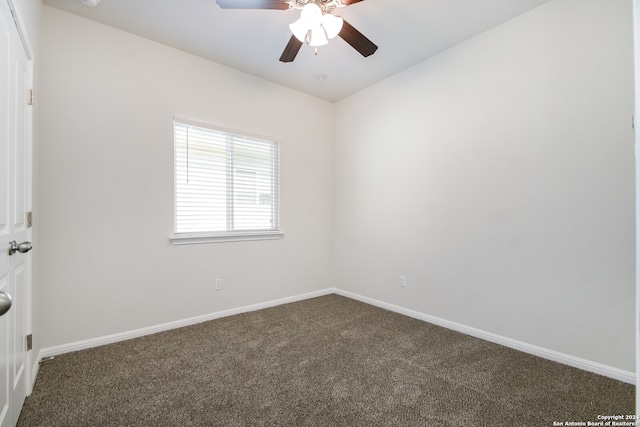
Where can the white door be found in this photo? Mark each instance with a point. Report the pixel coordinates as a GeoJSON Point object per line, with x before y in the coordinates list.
{"type": "Point", "coordinates": [15, 201]}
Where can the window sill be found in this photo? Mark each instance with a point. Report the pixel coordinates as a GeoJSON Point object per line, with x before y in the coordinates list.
{"type": "Point", "coordinates": [197, 239]}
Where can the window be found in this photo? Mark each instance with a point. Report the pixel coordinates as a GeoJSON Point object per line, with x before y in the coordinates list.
{"type": "Point", "coordinates": [226, 185]}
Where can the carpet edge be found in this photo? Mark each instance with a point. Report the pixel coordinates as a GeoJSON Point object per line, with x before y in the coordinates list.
{"type": "Point", "coordinates": [137, 333]}
{"type": "Point", "coordinates": [565, 359]}
{"type": "Point", "coordinates": [576, 362]}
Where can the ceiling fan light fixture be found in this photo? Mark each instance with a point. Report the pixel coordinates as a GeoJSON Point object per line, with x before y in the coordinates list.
{"type": "Point", "coordinates": [332, 25]}
{"type": "Point", "coordinates": [313, 27]}
{"type": "Point", "coordinates": [311, 15]}
{"type": "Point", "coordinates": [318, 37]}
{"type": "Point", "coordinates": [299, 29]}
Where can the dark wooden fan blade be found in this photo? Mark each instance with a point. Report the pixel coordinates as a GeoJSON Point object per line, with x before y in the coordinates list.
{"type": "Point", "coordinates": [357, 40]}
{"type": "Point", "coordinates": [291, 50]}
{"type": "Point", "coordinates": [348, 2]}
{"type": "Point", "coordinates": [253, 4]}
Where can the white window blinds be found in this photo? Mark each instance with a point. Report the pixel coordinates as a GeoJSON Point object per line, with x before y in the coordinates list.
{"type": "Point", "coordinates": [225, 184]}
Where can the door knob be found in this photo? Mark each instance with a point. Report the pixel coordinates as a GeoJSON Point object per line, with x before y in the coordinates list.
{"type": "Point", "coordinates": [23, 247]}
{"type": "Point", "coordinates": [5, 302]}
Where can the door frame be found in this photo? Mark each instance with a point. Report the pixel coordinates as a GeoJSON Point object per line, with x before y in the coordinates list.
{"type": "Point", "coordinates": [636, 56]}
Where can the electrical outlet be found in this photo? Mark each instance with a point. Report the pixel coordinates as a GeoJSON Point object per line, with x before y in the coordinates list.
{"type": "Point", "coordinates": [403, 282]}
{"type": "Point", "coordinates": [218, 284]}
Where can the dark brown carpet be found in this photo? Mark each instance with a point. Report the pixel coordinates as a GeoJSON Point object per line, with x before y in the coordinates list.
{"type": "Point", "coordinates": [328, 361]}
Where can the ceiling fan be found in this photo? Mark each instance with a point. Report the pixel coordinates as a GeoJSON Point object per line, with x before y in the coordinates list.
{"type": "Point", "coordinates": [317, 23]}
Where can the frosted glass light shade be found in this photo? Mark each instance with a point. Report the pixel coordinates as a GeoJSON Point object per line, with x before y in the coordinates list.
{"type": "Point", "coordinates": [332, 25]}
{"type": "Point", "coordinates": [318, 37]}
{"type": "Point", "coordinates": [299, 29]}
{"type": "Point", "coordinates": [311, 14]}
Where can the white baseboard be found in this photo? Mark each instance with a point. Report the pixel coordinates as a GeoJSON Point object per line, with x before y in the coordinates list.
{"type": "Point", "coordinates": [586, 365]}
{"type": "Point", "coordinates": [576, 362]}
{"type": "Point", "coordinates": [123, 336]}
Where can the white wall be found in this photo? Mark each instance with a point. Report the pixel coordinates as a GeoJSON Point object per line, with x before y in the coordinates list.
{"type": "Point", "coordinates": [106, 176]}
{"type": "Point", "coordinates": [498, 177]}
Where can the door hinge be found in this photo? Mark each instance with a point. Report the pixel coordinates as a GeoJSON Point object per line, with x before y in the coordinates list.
{"type": "Point", "coordinates": [29, 219]}
{"type": "Point", "coordinates": [31, 97]}
{"type": "Point", "coordinates": [29, 342]}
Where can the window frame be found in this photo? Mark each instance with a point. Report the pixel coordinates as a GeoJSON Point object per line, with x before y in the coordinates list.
{"type": "Point", "coordinates": [187, 238]}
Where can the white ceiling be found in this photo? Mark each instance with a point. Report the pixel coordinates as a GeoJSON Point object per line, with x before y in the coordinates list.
{"type": "Point", "coordinates": [406, 32]}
